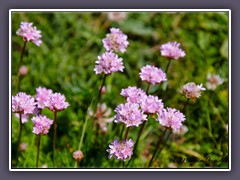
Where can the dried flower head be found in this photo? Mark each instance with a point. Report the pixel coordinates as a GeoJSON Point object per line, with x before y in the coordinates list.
{"type": "Point", "coordinates": [172, 118]}
{"type": "Point", "coordinates": [108, 63]}
{"type": "Point", "coordinates": [152, 74]}
{"type": "Point", "coordinates": [130, 114]}
{"type": "Point", "coordinates": [23, 103]}
{"type": "Point", "coordinates": [121, 150]}
{"type": "Point", "coordinates": [41, 124]}
{"type": "Point", "coordinates": [172, 50]}
{"type": "Point", "coordinates": [133, 94]}
{"type": "Point", "coordinates": [117, 16]}
{"type": "Point", "coordinates": [151, 104]}
{"type": "Point", "coordinates": [23, 70]}
{"type": "Point", "coordinates": [29, 33]}
{"type": "Point", "coordinates": [78, 155]}
{"type": "Point", "coordinates": [43, 97]}
{"type": "Point", "coordinates": [115, 41]}
{"type": "Point", "coordinates": [213, 81]}
{"type": "Point", "coordinates": [57, 102]}
{"type": "Point", "coordinates": [192, 91]}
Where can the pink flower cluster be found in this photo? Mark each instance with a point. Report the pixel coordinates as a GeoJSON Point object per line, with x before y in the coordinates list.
{"type": "Point", "coordinates": [152, 74]}
{"type": "Point", "coordinates": [213, 81]}
{"type": "Point", "coordinates": [78, 155]}
{"type": "Point", "coordinates": [121, 150]}
{"type": "Point", "coordinates": [108, 63]}
{"type": "Point", "coordinates": [115, 41]}
{"type": "Point", "coordinates": [130, 114]}
{"type": "Point", "coordinates": [192, 91]}
{"type": "Point", "coordinates": [172, 50]}
{"type": "Point", "coordinates": [23, 103]}
{"type": "Point", "coordinates": [151, 104]}
{"type": "Point", "coordinates": [43, 97]}
{"type": "Point", "coordinates": [41, 124]}
{"type": "Point", "coordinates": [29, 33]}
{"type": "Point", "coordinates": [172, 118]}
{"type": "Point", "coordinates": [133, 94]}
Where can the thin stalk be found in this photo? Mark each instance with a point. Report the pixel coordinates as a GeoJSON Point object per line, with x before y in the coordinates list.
{"type": "Point", "coordinates": [38, 148]}
{"type": "Point", "coordinates": [100, 90]}
{"type": "Point", "coordinates": [54, 136]}
{"type": "Point", "coordinates": [160, 140]}
{"type": "Point", "coordinates": [169, 62]}
{"type": "Point", "coordinates": [147, 88]}
{"type": "Point", "coordinates": [126, 134]}
{"type": "Point", "coordinates": [185, 105]}
{"type": "Point", "coordinates": [19, 136]}
{"type": "Point", "coordinates": [122, 131]}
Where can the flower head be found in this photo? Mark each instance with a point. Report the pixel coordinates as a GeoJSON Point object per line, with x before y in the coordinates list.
{"type": "Point", "coordinates": [191, 90]}
{"type": "Point", "coordinates": [213, 81]}
{"type": "Point", "coordinates": [115, 41]}
{"type": "Point", "coordinates": [151, 104]}
{"type": "Point", "coordinates": [41, 124]}
{"type": "Point", "coordinates": [29, 33]}
{"type": "Point", "coordinates": [152, 74]}
{"type": "Point", "coordinates": [23, 103]}
{"type": "Point", "coordinates": [108, 63]}
{"type": "Point", "coordinates": [23, 70]}
{"type": "Point", "coordinates": [133, 94]}
{"type": "Point", "coordinates": [130, 114]}
{"type": "Point", "coordinates": [172, 50]}
{"type": "Point", "coordinates": [121, 150]}
{"type": "Point", "coordinates": [57, 102]}
{"type": "Point", "coordinates": [78, 155]}
{"type": "Point", "coordinates": [171, 118]}
{"type": "Point", "coordinates": [43, 97]}
{"type": "Point", "coordinates": [117, 16]}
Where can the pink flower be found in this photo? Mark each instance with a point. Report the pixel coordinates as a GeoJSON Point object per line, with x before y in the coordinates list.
{"type": "Point", "coordinates": [151, 104]}
{"type": "Point", "coordinates": [133, 94]}
{"type": "Point", "coordinates": [117, 16]}
{"type": "Point", "coordinates": [192, 91]}
{"type": "Point", "coordinates": [130, 114]}
{"type": "Point", "coordinates": [23, 70]}
{"type": "Point", "coordinates": [41, 124]}
{"type": "Point", "coordinates": [43, 97]}
{"type": "Point", "coordinates": [108, 63]}
{"type": "Point", "coordinates": [29, 33]}
{"type": "Point", "coordinates": [115, 41]}
{"type": "Point", "coordinates": [152, 74]}
{"type": "Point", "coordinates": [23, 103]}
{"type": "Point", "coordinates": [213, 81]}
{"type": "Point", "coordinates": [78, 155]}
{"type": "Point", "coordinates": [171, 118]}
{"type": "Point", "coordinates": [121, 150]}
{"type": "Point", "coordinates": [57, 102]}
{"type": "Point", "coordinates": [24, 117]}
{"type": "Point", "coordinates": [172, 50]}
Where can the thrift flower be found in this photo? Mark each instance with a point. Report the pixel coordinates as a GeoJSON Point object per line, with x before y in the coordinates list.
{"type": "Point", "coordinates": [192, 91]}
{"type": "Point", "coordinates": [43, 97]}
{"type": "Point", "coordinates": [41, 124]}
{"type": "Point", "coordinates": [151, 104]}
{"type": "Point", "coordinates": [171, 118]}
{"type": "Point", "coordinates": [29, 33]}
{"type": "Point", "coordinates": [23, 103]}
{"type": "Point", "coordinates": [121, 150]}
{"type": "Point", "coordinates": [78, 155]}
{"type": "Point", "coordinates": [133, 94]}
{"type": "Point", "coordinates": [172, 50]}
{"type": "Point", "coordinates": [24, 117]}
{"type": "Point", "coordinates": [107, 63]}
{"type": "Point", "coordinates": [23, 147]}
{"type": "Point", "coordinates": [152, 74]}
{"type": "Point", "coordinates": [130, 114]}
{"type": "Point", "coordinates": [213, 81]}
{"type": "Point", "coordinates": [23, 70]}
{"type": "Point", "coordinates": [117, 16]}
{"type": "Point", "coordinates": [57, 102]}
{"type": "Point", "coordinates": [115, 41]}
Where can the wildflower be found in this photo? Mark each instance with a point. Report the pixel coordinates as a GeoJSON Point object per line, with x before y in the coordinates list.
{"type": "Point", "coordinates": [29, 33]}
{"type": "Point", "coordinates": [171, 118]}
{"type": "Point", "coordinates": [133, 94]}
{"type": "Point", "coordinates": [172, 50]}
{"type": "Point", "coordinates": [213, 81]}
{"type": "Point", "coordinates": [23, 103]}
{"type": "Point", "coordinates": [115, 41]}
{"type": "Point", "coordinates": [107, 63]}
{"type": "Point", "coordinates": [117, 16]}
{"type": "Point", "coordinates": [24, 117]}
{"type": "Point", "coordinates": [129, 114]}
{"type": "Point", "coordinates": [151, 104]}
{"type": "Point", "coordinates": [192, 91]}
{"type": "Point", "coordinates": [181, 131]}
{"type": "Point", "coordinates": [41, 124]}
{"type": "Point", "coordinates": [23, 70]}
{"type": "Point", "coordinates": [152, 74]}
{"type": "Point", "coordinates": [57, 102]}
{"type": "Point", "coordinates": [43, 97]}
{"type": "Point", "coordinates": [23, 147]}
{"type": "Point", "coordinates": [78, 155]}
{"type": "Point", "coordinates": [121, 150]}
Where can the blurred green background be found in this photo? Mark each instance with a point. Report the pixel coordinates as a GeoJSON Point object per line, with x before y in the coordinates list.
{"type": "Point", "coordinates": [65, 61]}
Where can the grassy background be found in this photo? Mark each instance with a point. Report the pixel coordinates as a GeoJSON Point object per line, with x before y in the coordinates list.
{"type": "Point", "coordinates": [65, 61]}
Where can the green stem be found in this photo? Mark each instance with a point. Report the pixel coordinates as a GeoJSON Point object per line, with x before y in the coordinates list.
{"type": "Point", "coordinates": [126, 134]}
{"type": "Point", "coordinates": [169, 61]}
{"type": "Point", "coordinates": [38, 147]}
{"type": "Point", "coordinates": [54, 136]}
{"type": "Point", "coordinates": [122, 131]}
{"type": "Point", "coordinates": [19, 136]}
{"type": "Point", "coordinates": [185, 105]}
{"type": "Point", "coordinates": [147, 88]}
{"type": "Point", "coordinates": [100, 90]}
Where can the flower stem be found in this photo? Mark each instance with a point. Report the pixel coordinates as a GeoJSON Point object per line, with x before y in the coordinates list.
{"type": "Point", "coordinates": [126, 134]}
{"type": "Point", "coordinates": [169, 61]}
{"type": "Point", "coordinates": [160, 140]}
{"type": "Point", "coordinates": [147, 88]}
{"type": "Point", "coordinates": [122, 131]}
{"type": "Point", "coordinates": [19, 136]}
{"type": "Point", "coordinates": [100, 90]}
{"type": "Point", "coordinates": [38, 147]}
{"type": "Point", "coordinates": [185, 105]}
{"type": "Point", "coordinates": [54, 136]}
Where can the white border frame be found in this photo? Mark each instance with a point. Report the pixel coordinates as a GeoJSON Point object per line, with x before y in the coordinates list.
{"type": "Point", "coordinates": [111, 10]}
